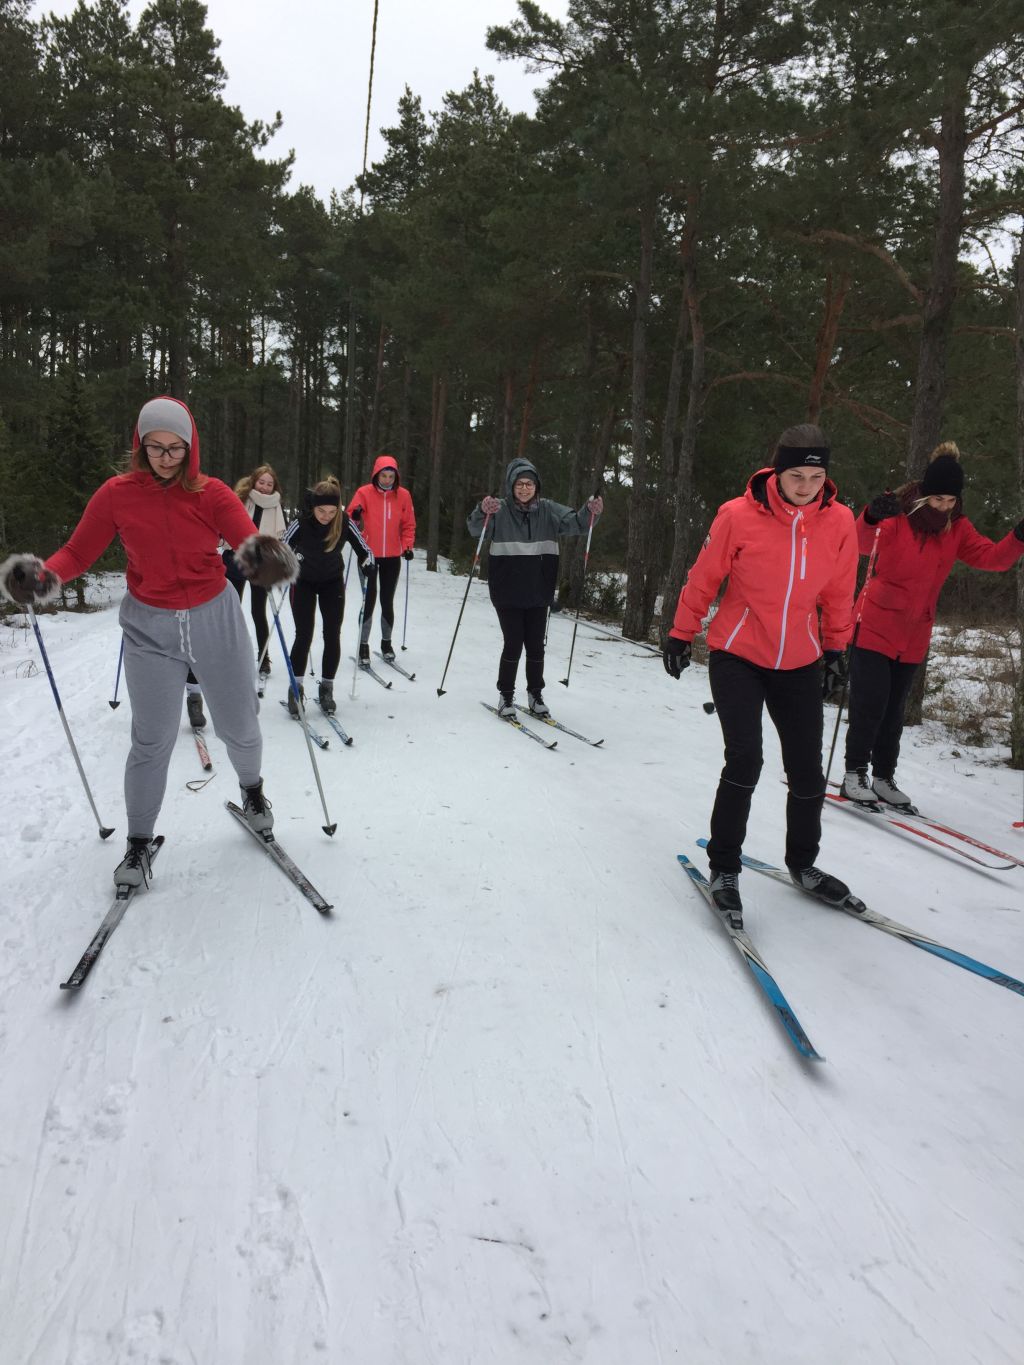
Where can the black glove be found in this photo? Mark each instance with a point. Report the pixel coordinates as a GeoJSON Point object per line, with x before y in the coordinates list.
{"type": "Point", "coordinates": [676, 656]}
{"type": "Point", "coordinates": [882, 507]}
{"type": "Point", "coordinates": [368, 565]}
{"type": "Point", "coordinates": [836, 674]}
{"type": "Point", "coordinates": [26, 580]}
{"type": "Point", "coordinates": [355, 512]}
{"type": "Point", "coordinates": [407, 554]}
{"type": "Point", "coordinates": [266, 561]}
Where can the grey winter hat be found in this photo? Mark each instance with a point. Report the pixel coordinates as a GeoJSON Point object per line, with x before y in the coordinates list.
{"type": "Point", "coordinates": [165, 414]}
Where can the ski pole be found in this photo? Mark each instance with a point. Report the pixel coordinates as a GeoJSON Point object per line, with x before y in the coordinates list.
{"type": "Point", "coordinates": [405, 618]}
{"type": "Point", "coordinates": [266, 643]}
{"type": "Point", "coordinates": [329, 828]}
{"type": "Point", "coordinates": [105, 830]}
{"type": "Point", "coordinates": [465, 595]}
{"type": "Point", "coordinates": [359, 633]}
{"type": "Point", "coordinates": [113, 703]}
{"type": "Point", "coordinates": [853, 641]}
{"type": "Point", "coordinates": [579, 604]}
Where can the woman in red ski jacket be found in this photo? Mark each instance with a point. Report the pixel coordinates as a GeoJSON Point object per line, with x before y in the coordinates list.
{"type": "Point", "coordinates": [917, 534]}
{"type": "Point", "coordinates": [788, 547]}
{"type": "Point", "coordinates": [388, 522]}
{"type": "Point", "coordinates": [178, 611]}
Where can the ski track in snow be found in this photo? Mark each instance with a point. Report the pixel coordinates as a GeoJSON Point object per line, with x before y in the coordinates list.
{"type": "Point", "coordinates": [517, 1099]}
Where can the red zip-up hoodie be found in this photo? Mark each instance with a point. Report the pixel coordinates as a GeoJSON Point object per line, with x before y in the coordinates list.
{"type": "Point", "coordinates": [783, 562]}
{"type": "Point", "coordinates": [388, 519]}
{"type": "Point", "coordinates": [170, 535]}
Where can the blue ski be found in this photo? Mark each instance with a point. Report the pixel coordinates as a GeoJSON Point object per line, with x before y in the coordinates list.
{"type": "Point", "coordinates": [902, 931]}
{"type": "Point", "coordinates": [755, 962]}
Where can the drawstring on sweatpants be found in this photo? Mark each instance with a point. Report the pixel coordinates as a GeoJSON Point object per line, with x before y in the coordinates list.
{"type": "Point", "coordinates": [185, 634]}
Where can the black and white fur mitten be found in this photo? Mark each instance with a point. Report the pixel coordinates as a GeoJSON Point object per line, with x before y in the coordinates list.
{"type": "Point", "coordinates": [267, 561]}
{"type": "Point", "coordinates": [25, 579]}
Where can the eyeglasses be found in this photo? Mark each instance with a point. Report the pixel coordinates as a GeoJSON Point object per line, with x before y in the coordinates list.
{"type": "Point", "coordinates": [157, 452]}
{"type": "Point", "coordinates": [525, 483]}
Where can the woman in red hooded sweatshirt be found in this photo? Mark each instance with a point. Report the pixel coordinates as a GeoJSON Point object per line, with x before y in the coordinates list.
{"type": "Point", "coordinates": [388, 523]}
{"type": "Point", "coordinates": [179, 610]}
{"type": "Point", "coordinates": [787, 547]}
{"type": "Point", "coordinates": [919, 531]}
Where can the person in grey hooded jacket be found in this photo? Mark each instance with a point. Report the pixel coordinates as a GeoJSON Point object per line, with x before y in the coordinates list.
{"type": "Point", "coordinates": [523, 531]}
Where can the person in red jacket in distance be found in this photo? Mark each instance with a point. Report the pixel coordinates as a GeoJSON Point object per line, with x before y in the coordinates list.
{"type": "Point", "coordinates": [920, 531]}
{"type": "Point", "coordinates": [788, 547]}
{"type": "Point", "coordinates": [178, 611]}
{"type": "Point", "coordinates": [384, 511]}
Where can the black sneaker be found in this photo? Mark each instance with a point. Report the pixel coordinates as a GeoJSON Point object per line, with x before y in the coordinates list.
{"type": "Point", "coordinates": [817, 883]}
{"type": "Point", "coordinates": [725, 892]}
{"type": "Point", "coordinates": [387, 651]}
{"type": "Point", "coordinates": [326, 696]}
{"type": "Point", "coordinates": [134, 869]}
{"type": "Point", "coordinates": [364, 652]}
{"type": "Point", "coordinates": [256, 809]}
{"type": "Point", "coordinates": [194, 707]}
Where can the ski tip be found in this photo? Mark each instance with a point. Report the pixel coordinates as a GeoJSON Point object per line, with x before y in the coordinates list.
{"type": "Point", "coordinates": [702, 843]}
{"type": "Point", "coordinates": [329, 829]}
{"type": "Point", "coordinates": [596, 744]}
{"type": "Point", "coordinates": [113, 706]}
{"type": "Point", "coordinates": [105, 833]}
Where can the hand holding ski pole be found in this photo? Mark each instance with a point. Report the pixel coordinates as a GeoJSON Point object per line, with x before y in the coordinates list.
{"type": "Point", "coordinates": [676, 656]}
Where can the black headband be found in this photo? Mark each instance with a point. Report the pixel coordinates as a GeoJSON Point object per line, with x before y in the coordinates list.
{"type": "Point", "coordinates": [792, 457]}
{"type": "Point", "coordinates": [325, 499]}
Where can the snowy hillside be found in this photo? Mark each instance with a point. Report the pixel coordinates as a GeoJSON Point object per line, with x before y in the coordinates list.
{"type": "Point", "coordinates": [518, 1099]}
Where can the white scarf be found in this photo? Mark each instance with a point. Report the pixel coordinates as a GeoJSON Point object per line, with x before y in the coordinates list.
{"type": "Point", "coordinates": [272, 523]}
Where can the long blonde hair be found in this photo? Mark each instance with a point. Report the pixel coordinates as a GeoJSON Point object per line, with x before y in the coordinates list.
{"type": "Point", "coordinates": [245, 485]}
{"type": "Point", "coordinates": [331, 485]}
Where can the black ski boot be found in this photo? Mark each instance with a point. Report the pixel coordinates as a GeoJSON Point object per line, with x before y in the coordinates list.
{"type": "Point", "coordinates": [819, 884]}
{"type": "Point", "coordinates": [194, 707]}
{"type": "Point", "coordinates": [256, 809]}
{"type": "Point", "coordinates": [293, 705]}
{"type": "Point", "coordinates": [326, 696]}
{"type": "Point", "coordinates": [364, 654]}
{"type": "Point", "coordinates": [265, 666]}
{"type": "Point", "coordinates": [725, 892]}
{"type": "Point", "coordinates": [387, 651]}
{"type": "Point", "coordinates": [134, 868]}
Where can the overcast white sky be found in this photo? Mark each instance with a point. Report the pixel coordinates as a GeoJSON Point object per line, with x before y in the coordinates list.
{"type": "Point", "coordinates": [310, 60]}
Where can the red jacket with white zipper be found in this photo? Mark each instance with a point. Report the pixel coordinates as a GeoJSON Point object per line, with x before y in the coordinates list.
{"type": "Point", "coordinates": [388, 519]}
{"type": "Point", "coordinates": [171, 535]}
{"type": "Point", "coordinates": [782, 562]}
{"type": "Point", "coordinates": [898, 602]}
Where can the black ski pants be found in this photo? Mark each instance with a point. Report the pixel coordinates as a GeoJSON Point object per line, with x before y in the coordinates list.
{"type": "Point", "coordinates": [878, 697]}
{"type": "Point", "coordinates": [522, 628]}
{"type": "Point", "coordinates": [304, 599]}
{"type": "Point", "coordinates": [257, 609]}
{"type": "Point", "coordinates": [793, 697]}
{"type": "Point", "coordinates": [384, 571]}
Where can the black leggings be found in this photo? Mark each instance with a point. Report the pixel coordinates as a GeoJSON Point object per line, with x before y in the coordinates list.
{"type": "Point", "coordinates": [878, 697]}
{"type": "Point", "coordinates": [304, 599]}
{"type": "Point", "coordinates": [522, 628]}
{"type": "Point", "coordinates": [793, 697]}
{"type": "Point", "coordinates": [258, 609]}
{"type": "Point", "coordinates": [387, 571]}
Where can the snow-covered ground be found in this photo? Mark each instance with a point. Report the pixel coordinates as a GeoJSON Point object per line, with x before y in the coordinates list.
{"type": "Point", "coordinates": [518, 1099]}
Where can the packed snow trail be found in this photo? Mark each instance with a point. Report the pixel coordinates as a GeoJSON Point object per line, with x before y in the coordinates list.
{"type": "Point", "coordinates": [516, 1100]}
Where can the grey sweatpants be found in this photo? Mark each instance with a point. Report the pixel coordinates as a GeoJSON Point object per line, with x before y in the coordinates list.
{"type": "Point", "coordinates": [159, 648]}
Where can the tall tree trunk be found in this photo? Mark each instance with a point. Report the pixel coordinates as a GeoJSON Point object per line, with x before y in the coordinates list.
{"type": "Point", "coordinates": [571, 566]}
{"type": "Point", "coordinates": [531, 384]}
{"type": "Point", "coordinates": [635, 620]}
{"type": "Point", "coordinates": [440, 391]}
{"type": "Point", "coordinates": [348, 457]}
{"type": "Point", "coordinates": [937, 315]}
{"type": "Point", "coordinates": [1017, 721]}
{"type": "Point", "coordinates": [825, 342]}
{"type": "Point", "coordinates": [696, 398]}
{"type": "Point", "coordinates": [378, 384]}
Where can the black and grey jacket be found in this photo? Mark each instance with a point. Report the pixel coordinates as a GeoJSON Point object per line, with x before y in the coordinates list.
{"type": "Point", "coordinates": [523, 569]}
{"type": "Point", "coordinates": [308, 539]}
